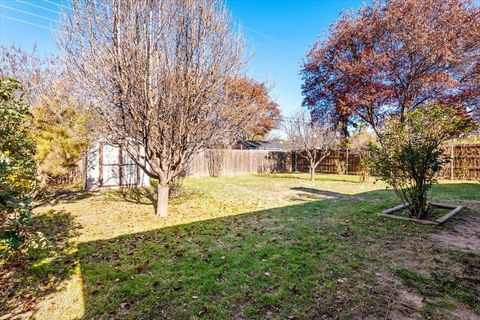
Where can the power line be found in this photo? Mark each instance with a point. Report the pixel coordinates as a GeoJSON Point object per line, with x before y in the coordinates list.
{"type": "Point", "coordinates": [39, 7]}
{"type": "Point", "coordinates": [70, 8]}
{"type": "Point", "coordinates": [63, 6]}
{"type": "Point", "coordinates": [58, 4]}
{"type": "Point", "coordinates": [273, 71]}
{"type": "Point", "coordinates": [28, 13]}
{"type": "Point", "coordinates": [271, 38]}
{"type": "Point", "coordinates": [28, 22]}
{"type": "Point", "coordinates": [99, 3]}
{"type": "Point", "coordinates": [260, 43]}
{"type": "Point", "coordinates": [69, 3]}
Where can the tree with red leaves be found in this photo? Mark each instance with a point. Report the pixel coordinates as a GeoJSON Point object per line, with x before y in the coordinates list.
{"type": "Point", "coordinates": [259, 112]}
{"type": "Point", "coordinates": [392, 57]}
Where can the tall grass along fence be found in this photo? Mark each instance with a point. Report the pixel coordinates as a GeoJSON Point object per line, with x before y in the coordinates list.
{"type": "Point", "coordinates": [74, 175]}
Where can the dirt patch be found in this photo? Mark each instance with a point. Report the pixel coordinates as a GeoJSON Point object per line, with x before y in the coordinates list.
{"type": "Point", "coordinates": [445, 263]}
{"type": "Point", "coordinates": [464, 233]}
{"type": "Point", "coordinates": [463, 314]}
{"type": "Point", "coordinates": [402, 303]}
{"type": "Point", "coordinates": [405, 305]}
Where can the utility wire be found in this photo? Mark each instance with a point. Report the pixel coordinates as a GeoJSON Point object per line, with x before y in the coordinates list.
{"type": "Point", "coordinates": [28, 13]}
{"type": "Point", "coordinates": [57, 4]}
{"type": "Point", "coordinates": [39, 7]}
{"type": "Point", "coordinates": [63, 6]}
{"type": "Point", "coordinates": [28, 22]}
{"type": "Point", "coordinates": [272, 71]}
{"type": "Point", "coordinates": [271, 38]}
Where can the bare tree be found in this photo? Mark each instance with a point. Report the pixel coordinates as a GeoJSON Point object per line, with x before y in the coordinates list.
{"type": "Point", "coordinates": [35, 74]}
{"type": "Point", "coordinates": [359, 144]}
{"type": "Point", "coordinates": [155, 73]}
{"type": "Point", "coordinates": [313, 140]}
{"type": "Point", "coordinates": [42, 78]}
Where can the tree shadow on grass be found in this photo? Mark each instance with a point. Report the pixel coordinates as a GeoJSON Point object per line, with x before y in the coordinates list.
{"type": "Point", "coordinates": [39, 266]}
{"type": "Point", "coordinates": [316, 259]}
{"type": "Point", "coordinates": [321, 177]}
{"type": "Point", "coordinates": [62, 196]}
{"type": "Point", "coordinates": [138, 195]}
{"type": "Point", "coordinates": [313, 260]}
{"type": "Point", "coordinates": [323, 193]}
{"type": "Point", "coordinates": [143, 195]}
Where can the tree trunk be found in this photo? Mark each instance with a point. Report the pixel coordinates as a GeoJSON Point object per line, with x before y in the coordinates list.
{"type": "Point", "coordinates": [312, 173]}
{"type": "Point", "coordinates": [418, 201]}
{"type": "Point", "coordinates": [421, 204]}
{"type": "Point", "coordinates": [162, 200]}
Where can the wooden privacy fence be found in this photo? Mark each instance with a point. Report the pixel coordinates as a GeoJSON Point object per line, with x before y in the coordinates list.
{"type": "Point", "coordinates": [465, 164]}
{"type": "Point", "coordinates": [339, 161]}
{"type": "Point", "coordinates": [234, 162]}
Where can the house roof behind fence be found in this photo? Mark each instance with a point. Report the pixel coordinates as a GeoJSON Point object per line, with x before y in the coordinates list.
{"type": "Point", "coordinates": [263, 145]}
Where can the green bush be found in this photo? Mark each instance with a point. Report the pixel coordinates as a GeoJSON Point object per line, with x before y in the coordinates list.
{"type": "Point", "coordinates": [17, 164]}
{"type": "Point", "coordinates": [408, 155]}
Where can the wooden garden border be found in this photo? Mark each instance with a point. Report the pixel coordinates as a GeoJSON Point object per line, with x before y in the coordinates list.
{"type": "Point", "coordinates": [389, 213]}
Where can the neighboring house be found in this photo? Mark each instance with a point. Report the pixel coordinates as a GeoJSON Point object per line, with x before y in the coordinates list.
{"type": "Point", "coordinates": [110, 166]}
{"type": "Point", "coordinates": [259, 145]}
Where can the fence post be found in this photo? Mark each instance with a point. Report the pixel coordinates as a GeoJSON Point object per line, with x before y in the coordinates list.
{"type": "Point", "coordinates": [296, 161]}
{"type": "Point", "coordinates": [346, 161]}
{"type": "Point", "coordinates": [84, 170]}
{"type": "Point", "coordinates": [452, 162]}
{"type": "Point", "coordinates": [100, 164]}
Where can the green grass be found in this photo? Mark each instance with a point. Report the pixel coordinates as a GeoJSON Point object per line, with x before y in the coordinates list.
{"type": "Point", "coordinates": [442, 284]}
{"type": "Point", "coordinates": [254, 247]}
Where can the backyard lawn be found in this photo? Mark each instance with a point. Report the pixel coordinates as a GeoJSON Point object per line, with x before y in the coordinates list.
{"type": "Point", "coordinates": [249, 247]}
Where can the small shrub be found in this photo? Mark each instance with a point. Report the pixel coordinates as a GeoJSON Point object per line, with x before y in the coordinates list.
{"type": "Point", "coordinates": [215, 158]}
{"type": "Point", "coordinates": [340, 167]}
{"type": "Point", "coordinates": [359, 145]}
{"type": "Point", "coordinates": [365, 169]}
{"type": "Point", "coordinates": [408, 154]}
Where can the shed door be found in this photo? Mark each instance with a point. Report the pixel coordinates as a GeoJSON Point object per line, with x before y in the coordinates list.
{"type": "Point", "coordinates": [129, 170]}
{"type": "Point", "coordinates": [117, 168]}
{"type": "Point", "coordinates": [110, 173]}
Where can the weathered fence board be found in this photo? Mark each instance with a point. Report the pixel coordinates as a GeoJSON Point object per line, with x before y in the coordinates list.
{"type": "Point", "coordinates": [235, 162]}
{"type": "Point", "coordinates": [465, 164]}
{"type": "Point", "coordinates": [344, 161]}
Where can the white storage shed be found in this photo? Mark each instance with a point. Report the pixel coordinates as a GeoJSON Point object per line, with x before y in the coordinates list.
{"type": "Point", "coordinates": [110, 166]}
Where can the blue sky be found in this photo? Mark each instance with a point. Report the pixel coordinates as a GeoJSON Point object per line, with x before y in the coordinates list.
{"type": "Point", "coordinates": [278, 34]}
